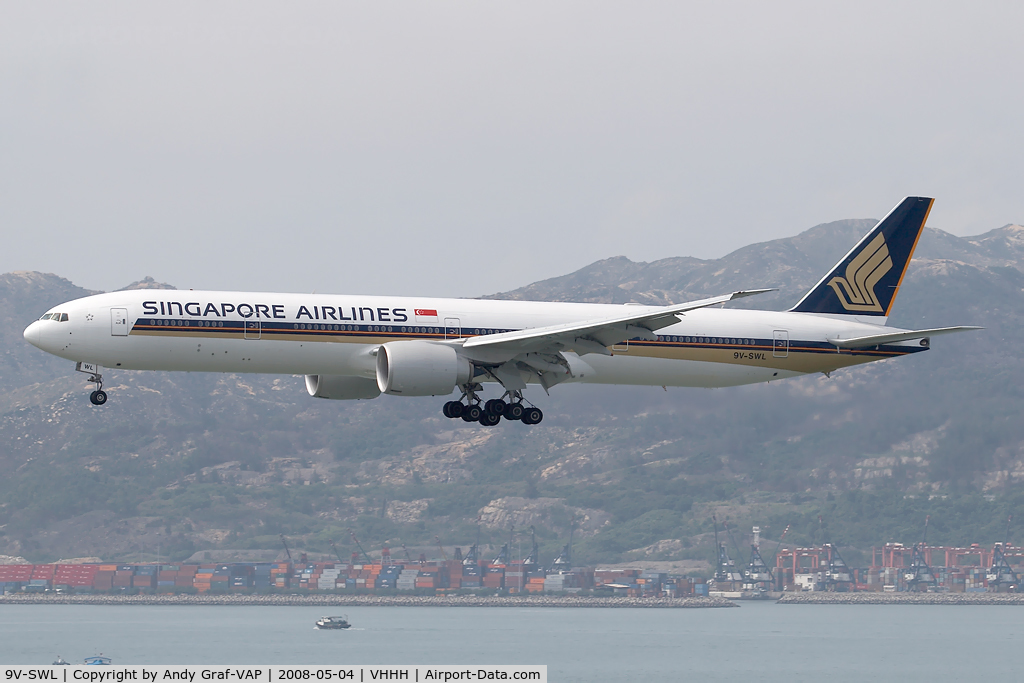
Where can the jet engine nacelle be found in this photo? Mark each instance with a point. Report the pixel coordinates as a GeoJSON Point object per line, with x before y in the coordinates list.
{"type": "Point", "coordinates": [419, 368]}
{"type": "Point", "coordinates": [341, 387]}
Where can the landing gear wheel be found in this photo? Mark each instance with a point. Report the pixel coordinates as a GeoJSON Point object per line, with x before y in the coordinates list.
{"type": "Point", "coordinates": [495, 407]}
{"type": "Point", "coordinates": [514, 411]}
{"type": "Point", "coordinates": [532, 416]}
{"type": "Point", "coordinates": [98, 397]}
{"type": "Point", "coordinates": [471, 413]}
{"type": "Point", "coordinates": [489, 419]}
{"type": "Point", "coordinates": [452, 409]}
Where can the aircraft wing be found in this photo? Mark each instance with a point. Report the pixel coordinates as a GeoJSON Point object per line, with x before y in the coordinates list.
{"type": "Point", "coordinates": [593, 336]}
{"type": "Point", "coordinates": [876, 339]}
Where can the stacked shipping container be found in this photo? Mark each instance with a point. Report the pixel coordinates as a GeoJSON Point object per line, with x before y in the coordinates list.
{"type": "Point", "coordinates": [448, 575]}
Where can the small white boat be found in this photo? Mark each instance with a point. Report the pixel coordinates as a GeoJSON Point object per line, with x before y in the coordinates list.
{"type": "Point", "coordinates": [330, 623]}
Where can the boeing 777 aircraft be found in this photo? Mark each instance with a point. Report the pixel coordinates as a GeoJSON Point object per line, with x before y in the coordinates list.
{"type": "Point", "coordinates": [357, 347]}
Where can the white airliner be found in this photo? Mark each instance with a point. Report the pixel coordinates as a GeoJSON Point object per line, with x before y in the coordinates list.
{"type": "Point", "coordinates": [356, 347]}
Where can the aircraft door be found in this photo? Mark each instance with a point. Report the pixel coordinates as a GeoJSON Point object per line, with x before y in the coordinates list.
{"type": "Point", "coordinates": [119, 322]}
{"type": "Point", "coordinates": [452, 328]}
{"type": "Point", "coordinates": [780, 349]}
{"type": "Point", "coordinates": [252, 329]}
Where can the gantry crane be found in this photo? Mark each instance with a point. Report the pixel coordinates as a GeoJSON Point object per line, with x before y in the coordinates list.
{"type": "Point", "coordinates": [781, 581]}
{"type": "Point", "coordinates": [441, 547]}
{"type": "Point", "coordinates": [919, 576]}
{"type": "Point", "coordinates": [1001, 575]}
{"type": "Point", "coordinates": [359, 545]}
{"type": "Point", "coordinates": [503, 555]}
{"type": "Point", "coordinates": [728, 532]}
{"type": "Point", "coordinates": [726, 571]}
{"type": "Point", "coordinates": [758, 575]}
{"type": "Point", "coordinates": [286, 550]}
{"type": "Point", "coordinates": [337, 553]}
{"type": "Point", "coordinates": [533, 558]}
{"type": "Point", "coordinates": [838, 577]}
{"type": "Point", "coordinates": [564, 560]}
{"type": "Point", "coordinates": [473, 556]}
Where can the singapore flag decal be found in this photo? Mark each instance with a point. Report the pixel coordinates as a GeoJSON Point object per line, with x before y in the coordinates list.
{"type": "Point", "coordinates": [426, 315]}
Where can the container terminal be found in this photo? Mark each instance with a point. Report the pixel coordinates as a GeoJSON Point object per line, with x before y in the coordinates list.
{"type": "Point", "coordinates": [359, 574]}
{"type": "Point", "coordinates": [894, 568]}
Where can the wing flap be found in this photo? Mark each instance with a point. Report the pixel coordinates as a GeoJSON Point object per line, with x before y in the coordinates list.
{"type": "Point", "coordinates": [877, 339]}
{"type": "Point", "coordinates": [616, 329]}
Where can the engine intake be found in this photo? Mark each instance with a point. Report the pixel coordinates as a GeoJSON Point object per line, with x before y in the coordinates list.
{"type": "Point", "coordinates": [418, 368]}
{"type": "Point", "coordinates": [341, 387]}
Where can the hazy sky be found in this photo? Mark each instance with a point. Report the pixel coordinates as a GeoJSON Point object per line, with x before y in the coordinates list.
{"type": "Point", "coordinates": [465, 148]}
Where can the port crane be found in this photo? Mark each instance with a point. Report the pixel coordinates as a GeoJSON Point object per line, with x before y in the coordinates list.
{"type": "Point", "coordinates": [919, 576]}
{"type": "Point", "coordinates": [503, 556]}
{"type": "Point", "coordinates": [726, 571]}
{"type": "Point", "coordinates": [407, 555]}
{"type": "Point", "coordinates": [779, 546]}
{"type": "Point", "coordinates": [532, 560]}
{"type": "Point", "coordinates": [758, 575]}
{"type": "Point", "coordinates": [838, 577]}
{"type": "Point", "coordinates": [286, 550]}
{"type": "Point", "coordinates": [728, 532]}
{"type": "Point", "coordinates": [359, 545]}
{"type": "Point", "coordinates": [1001, 574]}
{"type": "Point", "coordinates": [437, 539]}
{"type": "Point", "coordinates": [775, 557]}
{"type": "Point", "coordinates": [337, 553]}
{"type": "Point", "coordinates": [473, 555]}
{"type": "Point", "coordinates": [564, 560]}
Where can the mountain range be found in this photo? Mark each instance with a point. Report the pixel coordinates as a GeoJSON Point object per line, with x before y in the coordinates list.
{"type": "Point", "coordinates": [181, 465]}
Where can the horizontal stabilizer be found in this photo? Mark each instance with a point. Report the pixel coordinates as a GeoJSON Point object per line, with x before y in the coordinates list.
{"type": "Point", "coordinates": [878, 339]}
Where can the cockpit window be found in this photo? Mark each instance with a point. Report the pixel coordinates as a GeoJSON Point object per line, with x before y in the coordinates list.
{"type": "Point", "coordinates": [63, 317]}
{"type": "Point", "coordinates": [46, 316]}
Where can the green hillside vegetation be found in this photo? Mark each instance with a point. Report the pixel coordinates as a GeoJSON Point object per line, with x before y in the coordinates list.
{"type": "Point", "coordinates": [189, 463]}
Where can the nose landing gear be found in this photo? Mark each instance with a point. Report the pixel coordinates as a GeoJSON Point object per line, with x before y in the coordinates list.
{"type": "Point", "coordinates": [98, 397]}
{"type": "Point", "coordinates": [491, 412]}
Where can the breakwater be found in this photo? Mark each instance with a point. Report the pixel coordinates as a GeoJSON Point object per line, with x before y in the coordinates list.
{"type": "Point", "coordinates": [825, 598]}
{"type": "Point", "coordinates": [363, 600]}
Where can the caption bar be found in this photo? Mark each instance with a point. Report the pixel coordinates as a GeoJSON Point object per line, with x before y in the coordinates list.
{"type": "Point", "coordinates": [270, 674]}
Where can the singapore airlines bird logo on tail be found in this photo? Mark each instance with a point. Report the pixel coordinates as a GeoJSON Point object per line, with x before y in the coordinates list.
{"type": "Point", "coordinates": [856, 291]}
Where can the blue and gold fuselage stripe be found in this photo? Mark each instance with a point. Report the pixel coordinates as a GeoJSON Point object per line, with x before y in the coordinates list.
{"type": "Point", "coordinates": [742, 349]}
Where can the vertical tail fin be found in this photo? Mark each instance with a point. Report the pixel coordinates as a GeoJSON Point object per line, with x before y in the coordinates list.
{"type": "Point", "coordinates": [866, 280]}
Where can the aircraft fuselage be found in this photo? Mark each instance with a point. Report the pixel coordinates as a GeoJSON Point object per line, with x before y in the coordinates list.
{"type": "Point", "coordinates": [297, 334]}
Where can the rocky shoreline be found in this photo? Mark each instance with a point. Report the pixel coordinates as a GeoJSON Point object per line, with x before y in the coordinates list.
{"type": "Point", "coordinates": [902, 599]}
{"type": "Point", "coordinates": [363, 601]}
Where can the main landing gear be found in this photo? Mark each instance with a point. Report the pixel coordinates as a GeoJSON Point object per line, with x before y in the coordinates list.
{"type": "Point", "coordinates": [469, 408]}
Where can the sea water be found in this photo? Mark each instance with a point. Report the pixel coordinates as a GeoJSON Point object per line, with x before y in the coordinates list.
{"type": "Point", "coordinates": [756, 642]}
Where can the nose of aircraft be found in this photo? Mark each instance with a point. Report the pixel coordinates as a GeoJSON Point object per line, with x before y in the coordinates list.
{"type": "Point", "coordinates": [32, 333]}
